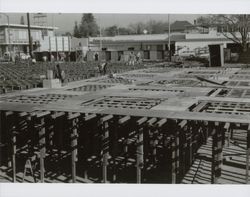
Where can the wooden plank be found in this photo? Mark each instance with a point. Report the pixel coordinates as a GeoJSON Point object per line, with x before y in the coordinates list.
{"type": "Point", "coordinates": [106, 118]}
{"type": "Point", "coordinates": [161, 122]}
{"type": "Point", "coordinates": [151, 121]}
{"type": "Point", "coordinates": [124, 119]}
{"type": "Point", "coordinates": [90, 117]}
{"type": "Point", "coordinates": [141, 121]}
{"type": "Point", "coordinates": [73, 116]}
{"type": "Point", "coordinates": [40, 114]}
{"type": "Point", "coordinates": [57, 114]}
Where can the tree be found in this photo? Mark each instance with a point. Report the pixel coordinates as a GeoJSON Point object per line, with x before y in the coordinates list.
{"type": "Point", "coordinates": [22, 20]}
{"type": "Point", "coordinates": [124, 31]}
{"type": "Point", "coordinates": [88, 26]}
{"type": "Point", "coordinates": [67, 34]}
{"type": "Point", "coordinates": [112, 31]}
{"type": "Point", "coordinates": [137, 28]}
{"type": "Point", "coordinates": [233, 27]}
{"type": "Point", "coordinates": [156, 27]}
{"type": "Point", "coordinates": [76, 32]}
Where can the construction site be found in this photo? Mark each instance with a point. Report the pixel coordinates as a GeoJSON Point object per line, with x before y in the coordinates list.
{"type": "Point", "coordinates": [154, 123]}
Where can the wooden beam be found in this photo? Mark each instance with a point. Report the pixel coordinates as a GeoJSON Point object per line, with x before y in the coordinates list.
{"type": "Point", "coordinates": [40, 114]}
{"type": "Point", "coordinates": [106, 118]}
{"type": "Point", "coordinates": [151, 121]}
{"type": "Point", "coordinates": [72, 116]}
{"type": "Point", "coordinates": [57, 114]}
{"type": "Point", "coordinates": [124, 119]}
{"type": "Point", "coordinates": [141, 121]}
{"type": "Point", "coordinates": [89, 117]}
{"type": "Point", "coordinates": [161, 122]}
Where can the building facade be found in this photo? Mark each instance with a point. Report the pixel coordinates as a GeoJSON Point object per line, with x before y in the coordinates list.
{"type": "Point", "coordinates": [156, 46]}
{"type": "Point", "coordinates": [14, 38]}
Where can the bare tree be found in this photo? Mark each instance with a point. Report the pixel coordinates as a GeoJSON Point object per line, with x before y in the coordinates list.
{"type": "Point", "coordinates": [233, 27]}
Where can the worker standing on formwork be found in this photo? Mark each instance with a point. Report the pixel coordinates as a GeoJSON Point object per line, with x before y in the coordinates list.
{"type": "Point", "coordinates": [103, 68]}
{"type": "Point", "coordinates": [59, 74]}
{"type": "Point", "coordinates": [131, 59]}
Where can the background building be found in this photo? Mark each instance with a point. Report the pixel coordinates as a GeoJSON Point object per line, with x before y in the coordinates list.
{"type": "Point", "coordinates": [14, 37]}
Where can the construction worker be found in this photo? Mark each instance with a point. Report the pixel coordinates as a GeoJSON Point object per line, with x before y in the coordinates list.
{"type": "Point", "coordinates": [59, 74]}
{"type": "Point", "coordinates": [103, 68]}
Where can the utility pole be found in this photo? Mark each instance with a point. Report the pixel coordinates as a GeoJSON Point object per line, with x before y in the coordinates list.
{"type": "Point", "coordinates": [100, 31]}
{"type": "Point", "coordinates": [169, 37]}
{"type": "Point", "coordinates": [30, 38]}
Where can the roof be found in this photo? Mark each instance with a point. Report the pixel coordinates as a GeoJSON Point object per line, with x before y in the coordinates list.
{"type": "Point", "coordinates": [26, 26]}
{"type": "Point", "coordinates": [137, 38]}
{"type": "Point", "coordinates": [179, 25]}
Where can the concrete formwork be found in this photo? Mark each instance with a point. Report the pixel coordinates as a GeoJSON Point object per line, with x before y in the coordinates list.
{"type": "Point", "coordinates": [142, 126]}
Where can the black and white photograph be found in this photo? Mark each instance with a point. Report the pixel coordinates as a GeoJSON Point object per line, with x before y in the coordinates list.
{"type": "Point", "coordinates": [124, 98]}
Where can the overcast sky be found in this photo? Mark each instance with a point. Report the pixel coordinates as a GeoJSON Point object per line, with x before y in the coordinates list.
{"type": "Point", "coordinates": [65, 22]}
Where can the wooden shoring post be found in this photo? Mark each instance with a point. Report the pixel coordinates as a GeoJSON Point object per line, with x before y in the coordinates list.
{"type": "Point", "coordinates": [9, 123]}
{"type": "Point", "coordinates": [49, 127]}
{"type": "Point", "coordinates": [247, 154]}
{"type": "Point", "coordinates": [139, 150]}
{"type": "Point", "coordinates": [177, 151]}
{"type": "Point", "coordinates": [87, 119]}
{"type": "Point", "coordinates": [20, 124]}
{"type": "Point", "coordinates": [190, 143]}
{"type": "Point", "coordinates": [173, 160]}
{"type": "Point", "coordinates": [73, 128]}
{"type": "Point", "coordinates": [154, 131]}
{"type": "Point", "coordinates": [11, 143]}
{"type": "Point", "coordinates": [216, 152]}
{"type": "Point", "coordinates": [195, 130]}
{"type": "Point", "coordinates": [227, 128]}
{"type": "Point", "coordinates": [40, 126]}
{"type": "Point", "coordinates": [115, 130]}
{"type": "Point", "coordinates": [30, 128]}
{"type": "Point", "coordinates": [124, 121]}
{"type": "Point", "coordinates": [105, 145]}
{"type": "Point", "coordinates": [13, 158]}
{"type": "Point", "coordinates": [205, 130]}
{"type": "Point", "coordinates": [183, 145]}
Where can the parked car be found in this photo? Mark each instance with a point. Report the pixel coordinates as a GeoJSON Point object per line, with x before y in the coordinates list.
{"type": "Point", "coordinates": [204, 55]}
{"type": "Point", "coordinates": [187, 54]}
{"type": "Point", "coordinates": [24, 56]}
